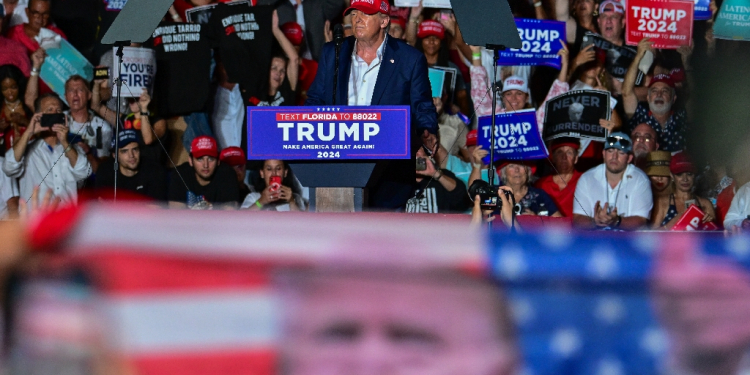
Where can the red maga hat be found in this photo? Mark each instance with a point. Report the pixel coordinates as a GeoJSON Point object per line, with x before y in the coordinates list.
{"type": "Point", "coordinates": [369, 6]}
{"type": "Point", "coordinates": [431, 28]}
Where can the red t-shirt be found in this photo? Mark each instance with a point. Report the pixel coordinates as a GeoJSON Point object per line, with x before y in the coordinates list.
{"type": "Point", "coordinates": [564, 198]}
{"type": "Point", "coordinates": [16, 33]}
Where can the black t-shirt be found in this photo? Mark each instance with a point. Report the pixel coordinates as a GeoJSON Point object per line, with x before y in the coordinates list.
{"type": "Point", "coordinates": [223, 187]}
{"type": "Point", "coordinates": [151, 179]}
{"type": "Point", "coordinates": [432, 197]}
{"type": "Point", "coordinates": [183, 61]}
{"type": "Point", "coordinates": [244, 38]}
{"type": "Point", "coordinates": [154, 151]}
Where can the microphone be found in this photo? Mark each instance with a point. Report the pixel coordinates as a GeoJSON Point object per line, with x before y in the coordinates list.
{"type": "Point", "coordinates": [338, 35]}
{"type": "Point", "coordinates": [338, 40]}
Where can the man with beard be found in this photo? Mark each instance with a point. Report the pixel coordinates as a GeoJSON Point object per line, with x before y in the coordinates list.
{"type": "Point", "coordinates": [669, 125]}
{"type": "Point", "coordinates": [644, 141]}
{"type": "Point", "coordinates": [624, 190]}
{"type": "Point", "coordinates": [562, 184]}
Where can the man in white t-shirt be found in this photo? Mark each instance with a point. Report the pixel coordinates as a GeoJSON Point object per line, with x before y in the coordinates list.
{"type": "Point", "coordinates": [616, 194]}
{"type": "Point", "coordinates": [92, 133]}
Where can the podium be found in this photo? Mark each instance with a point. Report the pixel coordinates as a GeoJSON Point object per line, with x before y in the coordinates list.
{"type": "Point", "coordinates": [335, 187]}
{"type": "Point", "coordinates": [335, 151]}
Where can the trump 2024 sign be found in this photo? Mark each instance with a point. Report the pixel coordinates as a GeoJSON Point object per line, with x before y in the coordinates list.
{"type": "Point", "coordinates": [328, 133]}
{"type": "Point", "coordinates": [669, 24]}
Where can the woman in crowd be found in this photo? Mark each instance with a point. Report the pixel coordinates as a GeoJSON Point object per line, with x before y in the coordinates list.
{"type": "Point", "coordinates": [657, 170]}
{"type": "Point", "coordinates": [584, 13]}
{"type": "Point", "coordinates": [283, 73]}
{"type": "Point", "coordinates": [14, 114]}
{"type": "Point", "coordinates": [683, 175]}
{"type": "Point", "coordinates": [529, 200]}
{"type": "Point", "coordinates": [430, 38]}
{"type": "Point", "coordinates": [275, 187]}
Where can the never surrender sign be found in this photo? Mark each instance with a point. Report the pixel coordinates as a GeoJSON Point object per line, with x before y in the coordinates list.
{"type": "Point", "coordinates": [516, 136]}
{"type": "Point", "coordinates": [577, 114]}
{"type": "Point", "coordinates": [309, 133]}
{"type": "Point", "coordinates": [540, 44]}
{"type": "Point", "coordinates": [668, 23]}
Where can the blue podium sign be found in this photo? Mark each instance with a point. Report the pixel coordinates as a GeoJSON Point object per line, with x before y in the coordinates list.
{"type": "Point", "coordinates": [516, 136]}
{"type": "Point", "coordinates": [328, 133]}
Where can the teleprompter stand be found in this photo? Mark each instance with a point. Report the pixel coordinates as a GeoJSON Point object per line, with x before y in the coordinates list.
{"type": "Point", "coordinates": [136, 22]}
{"type": "Point", "coordinates": [488, 23]}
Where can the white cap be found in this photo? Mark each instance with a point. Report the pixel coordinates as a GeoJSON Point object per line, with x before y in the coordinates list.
{"type": "Point", "coordinates": [515, 83]}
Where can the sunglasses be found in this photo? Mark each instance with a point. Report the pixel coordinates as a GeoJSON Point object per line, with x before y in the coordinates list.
{"type": "Point", "coordinates": [618, 141]}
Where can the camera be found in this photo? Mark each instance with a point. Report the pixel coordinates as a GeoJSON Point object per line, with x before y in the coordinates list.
{"type": "Point", "coordinates": [421, 164]}
{"type": "Point", "coordinates": [50, 119]}
{"type": "Point", "coordinates": [488, 194]}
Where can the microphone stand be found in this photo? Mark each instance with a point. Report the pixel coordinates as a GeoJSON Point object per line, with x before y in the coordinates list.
{"type": "Point", "coordinates": [338, 39]}
{"type": "Point", "coordinates": [118, 81]}
{"type": "Point", "coordinates": [495, 56]}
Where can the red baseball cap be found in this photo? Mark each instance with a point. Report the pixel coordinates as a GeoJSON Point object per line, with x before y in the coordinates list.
{"type": "Point", "coordinates": [369, 6]}
{"type": "Point", "coordinates": [233, 156]}
{"type": "Point", "coordinates": [204, 146]}
{"type": "Point", "coordinates": [611, 6]}
{"type": "Point", "coordinates": [396, 20]}
{"type": "Point", "coordinates": [431, 28]}
{"type": "Point", "coordinates": [293, 32]}
{"type": "Point", "coordinates": [664, 78]}
{"type": "Point", "coordinates": [681, 163]}
{"type": "Point", "coordinates": [564, 141]}
{"type": "Point", "coordinates": [471, 138]}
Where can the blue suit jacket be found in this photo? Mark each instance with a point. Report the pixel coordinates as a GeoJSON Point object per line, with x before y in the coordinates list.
{"type": "Point", "coordinates": [402, 82]}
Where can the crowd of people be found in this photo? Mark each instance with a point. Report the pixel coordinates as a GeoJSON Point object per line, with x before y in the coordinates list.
{"type": "Point", "coordinates": [640, 177]}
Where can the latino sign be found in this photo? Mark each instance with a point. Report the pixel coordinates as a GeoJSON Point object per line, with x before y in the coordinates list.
{"type": "Point", "coordinates": [733, 21]}
{"type": "Point", "coordinates": [328, 133]}
{"type": "Point", "coordinates": [669, 23]}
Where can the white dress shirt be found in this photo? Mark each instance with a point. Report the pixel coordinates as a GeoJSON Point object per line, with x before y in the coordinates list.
{"type": "Point", "coordinates": [88, 133]}
{"type": "Point", "coordinates": [632, 195]}
{"type": "Point", "coordinates": [740, 207]}
{"type": "Point", "coordinates": [42, 160]}
{"type": "Point", "coordinates": [362, 77]}
{"type": "Point", "coordinates": [6, 192]}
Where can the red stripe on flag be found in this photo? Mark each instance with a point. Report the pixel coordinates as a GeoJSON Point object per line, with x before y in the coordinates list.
{"type": "Point", "coordinates": [259, 362]}
{"type": "Point", "coordinates": [119, 272]}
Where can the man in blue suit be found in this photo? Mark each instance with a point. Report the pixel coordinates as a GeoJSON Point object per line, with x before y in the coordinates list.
{"type": "Point", "coordinates": [378, 70]}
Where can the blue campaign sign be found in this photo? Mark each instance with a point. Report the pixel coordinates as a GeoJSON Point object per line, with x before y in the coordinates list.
{"type": "Point", "coordinates": [702, 12]}
{"type": "Point", "coordinates": [341, 133]}
{"type": "Point", "coordinates": [516, 136]}
{"type": "Point", "coordinates": [541, 42]}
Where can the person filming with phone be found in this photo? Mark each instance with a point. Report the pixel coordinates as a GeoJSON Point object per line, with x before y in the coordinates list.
{"type": "Point", "coordinates": [275, 189]}
{"type": "Point", "coordinates": [43, 156]}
